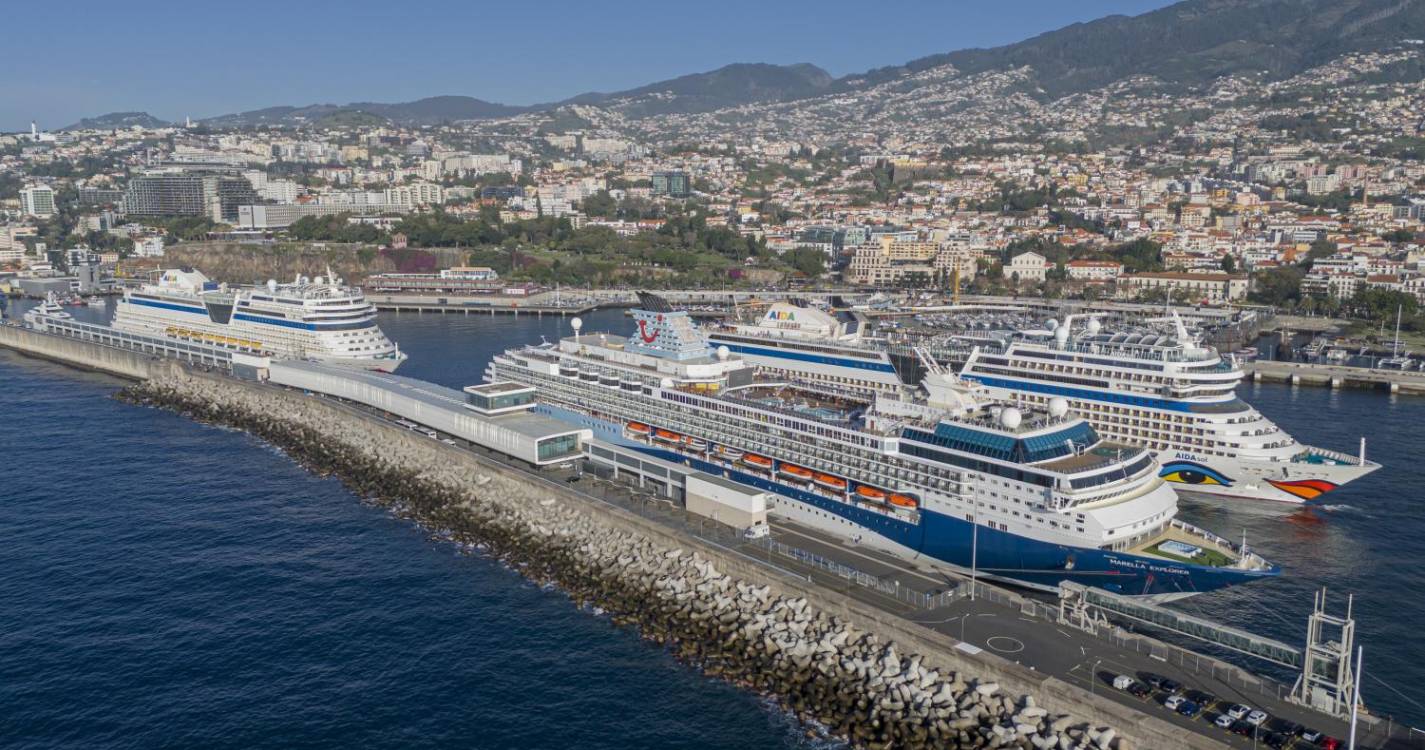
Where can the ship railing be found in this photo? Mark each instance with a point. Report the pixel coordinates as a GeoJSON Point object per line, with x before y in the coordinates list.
{"type": "Point", "coordinates": [1246, 559]}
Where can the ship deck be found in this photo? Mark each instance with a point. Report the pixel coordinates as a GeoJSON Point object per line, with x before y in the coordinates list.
{"type": "Point", "coordinates": [1212, 555]}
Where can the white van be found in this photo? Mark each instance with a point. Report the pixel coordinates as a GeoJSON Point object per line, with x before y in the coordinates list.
{"type": "Point", "coordinates": [1122, 682]}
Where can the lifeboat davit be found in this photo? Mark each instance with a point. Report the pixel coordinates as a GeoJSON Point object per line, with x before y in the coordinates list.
{"type": "Point", "coordinates": [830, 482]}
{"type": "Point", "coordinates": [667, 436]}
{"type": "Point", "coordinates": [871, 493]}
{"type": "Point", "coordinates": [761, 462]}
{"type": "Point", "coordinates": [902, 500]}
{"type": "Point", "coordinates": [796, 472]}
{"type": "Point", "coordinates": [639, 428]}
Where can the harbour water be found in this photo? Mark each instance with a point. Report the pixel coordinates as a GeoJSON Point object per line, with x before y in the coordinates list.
{"type": "Point", "coordinates": [170, 584]}
{"type": "Point", "coordinates": [180, 584]}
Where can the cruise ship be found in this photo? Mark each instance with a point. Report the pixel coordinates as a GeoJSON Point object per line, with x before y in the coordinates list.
{"type": "Point", "coordinates": [794, 339]}
{"type": "Point", "coordinates": [318, 319]}
{"type": "Point", "coordinates": [937, 473]}
{"type": "Point", "coordinates": [1160, 388]}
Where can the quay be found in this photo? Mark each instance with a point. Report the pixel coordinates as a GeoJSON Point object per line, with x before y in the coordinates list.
{"type": "Point", "coordinates": [478, 306]}
{"type": "Point", "coordinates": [1010, 642]}
{"type": "Point", "coordinates": [1334, 376]}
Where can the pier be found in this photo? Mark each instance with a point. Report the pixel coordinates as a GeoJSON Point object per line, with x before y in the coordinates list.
{"type": "Point", "coordinates": [1334, 376]}
{"type": "Point", "coordinates": [985, 636]}
{"type": "Point", "coordinates": [476, 306]}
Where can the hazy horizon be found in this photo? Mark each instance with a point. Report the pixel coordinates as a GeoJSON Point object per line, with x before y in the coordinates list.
{"type": "Point", "coordinates": [149, 55]}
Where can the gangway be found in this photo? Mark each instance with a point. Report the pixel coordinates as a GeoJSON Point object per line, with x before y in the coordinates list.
{"type": "Point", "coordinates": [1073, 597]}
{"type": "Point", "coordinates": [1327, 673]}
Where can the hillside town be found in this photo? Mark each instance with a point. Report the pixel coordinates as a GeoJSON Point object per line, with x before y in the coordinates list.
{"type": "Point", "coordinates": [1302, 193]}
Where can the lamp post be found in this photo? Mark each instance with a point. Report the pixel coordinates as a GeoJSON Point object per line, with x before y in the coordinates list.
{"type": "Point", "coordinates": [1093, 675]}
{"type": "Point", "coordinates": [974, 540]}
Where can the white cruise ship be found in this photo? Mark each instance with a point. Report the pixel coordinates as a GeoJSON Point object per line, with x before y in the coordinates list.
{"type": "Point", "coordinates": [935, 471]}
{"type": "Point", "coordinates": [317, 319]}
{"type": "Point", "coordinates": [1162, 389]}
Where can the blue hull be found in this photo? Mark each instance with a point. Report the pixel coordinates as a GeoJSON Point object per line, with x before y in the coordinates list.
{"type": "Point", "coordinates": [997, 553]}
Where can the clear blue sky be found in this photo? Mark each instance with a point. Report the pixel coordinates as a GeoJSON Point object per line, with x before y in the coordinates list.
{"type": "Point", "coordinates": [66, 60]}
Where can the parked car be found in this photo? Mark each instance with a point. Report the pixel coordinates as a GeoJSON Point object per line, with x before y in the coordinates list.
{"type": "Point", "coordinates": [1223, 721]}
{"type": "Point", "coordinates": [1243, 727]}
{"type": "Point", "coordinates": [1276, 740]}
{"type": "Point", "coordinates": [1238, 711]}
{"type": "Point", "coordinates": [1173, 701]}
{"type": "Point", "coordinates": [1139, 690]}
{"type": "Point", "coordinates": [1189, 709]}
{"type": "Point", "coordinates": [1329, 743]}
{"type": "Point", "coordinates": [1310, 735]}
{"type": "Point", "coordinates": [1155, 680]}
{"type": "Point", "coordinates": [1122, 682]}
{"type": "Point", "coordinates": [1257, 718]}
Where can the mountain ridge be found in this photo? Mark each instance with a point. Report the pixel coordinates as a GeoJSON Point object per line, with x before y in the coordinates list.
{"type": "Point", "coordinates": [1189, 43]}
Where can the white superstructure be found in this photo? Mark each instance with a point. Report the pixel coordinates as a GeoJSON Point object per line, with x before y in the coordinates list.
{"type": "Point", "coordinates": [319, 319]}
{"type": "Point", "coordinates": [1160, 388]}
{"type": "Point", "coordinates": [1034, 496]}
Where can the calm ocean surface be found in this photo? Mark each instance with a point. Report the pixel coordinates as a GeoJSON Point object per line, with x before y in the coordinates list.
{"type": "Point", "coordinates": [172, 584]}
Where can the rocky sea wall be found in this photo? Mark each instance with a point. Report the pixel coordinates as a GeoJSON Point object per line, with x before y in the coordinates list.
{"type": "Point", "coordinates": [865, 675]}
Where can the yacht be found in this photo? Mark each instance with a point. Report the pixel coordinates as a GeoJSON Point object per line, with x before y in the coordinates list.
{"type": "Point", "coordinates": [50, 308]}
{"type": "Point", "coordinates": [939, 472]}
{"type": "Point", "coordinates": [319, 319]}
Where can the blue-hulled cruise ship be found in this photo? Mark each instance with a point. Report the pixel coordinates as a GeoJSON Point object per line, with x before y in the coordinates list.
{"type": "Point", "coordinates": [914, 472]}
{"type": "Point", "coordinates": [319, 319]}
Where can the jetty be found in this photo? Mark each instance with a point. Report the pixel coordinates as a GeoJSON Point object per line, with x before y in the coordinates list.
{"type": "Point", "coordinates": [1334, 376]}
{"type": "Point", "coordinates": [880, 651]}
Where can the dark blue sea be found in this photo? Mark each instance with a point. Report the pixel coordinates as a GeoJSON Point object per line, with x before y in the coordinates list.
{"type": "Point", "coordinates": [164, 583]}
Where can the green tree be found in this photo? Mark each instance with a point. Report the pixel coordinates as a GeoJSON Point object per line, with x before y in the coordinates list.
{"type": "Point", "coordinates": [1278, 287]}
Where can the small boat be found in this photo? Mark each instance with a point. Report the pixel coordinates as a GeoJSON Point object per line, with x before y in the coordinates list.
{"type": "Point", "coordinates": [795, 472]}
{"type": "Point", "coordinates": [697, 445]}
{"type": "Point", "coordinates": [871, 493]}
{"type": "Point", "coordinates": [902, 500]}
{"type": "Point", "coordinates": [95, 302]}
{"type": "Point", "coordinates": [830, 482]}
{"type": "Point", "coordinates": [761, 462]}
{"type": "Point", "coordinates": [639, 428]}
{"type": "Point", "coordinates": [667, 436]}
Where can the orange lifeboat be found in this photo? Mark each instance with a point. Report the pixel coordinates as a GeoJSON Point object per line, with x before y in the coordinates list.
{"type": "Point", "coordinates": [871, 493]}
{"type": "Point", "coordinates": [796, 472]}
{"type": "Point", "coordinates": [639, 428]}
{"type": "Point", "coordinates": [902, 500]}
{"type": "Point", "coordinates": [667, 436]}
{"type": "Point", "coordinates": [830, 482]}
{"type": "Point", "coordinates": [761, 462]}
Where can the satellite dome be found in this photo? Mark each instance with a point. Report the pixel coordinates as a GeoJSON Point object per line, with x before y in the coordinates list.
{"type": "Point", "coordinates": [1051, 324]}
{"type": "Point", "coordinates": [576, 324]}
{"type": "Point", "coordinates": [1094, 326]}
{"type": "Point", "coordinates": [1061, 335]}
{"type": "Point", "coordinates": [1010, 418]}
{"type": "Point", "coordinates": [272, 286]}
{"type": "Point", "coordinates": [1058, 407]}
{"type": "Point", "coordinates": [666, 383]}
{"type": "Point", "coordinates": [723, 353]}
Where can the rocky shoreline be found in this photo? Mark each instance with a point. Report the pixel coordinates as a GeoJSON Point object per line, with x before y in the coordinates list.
{"type": "Point", "coordinates": [824, 668]}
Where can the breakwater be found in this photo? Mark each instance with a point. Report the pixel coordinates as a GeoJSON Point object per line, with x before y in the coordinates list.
{"type": "Point", "coordinates": [75, 353]}
{"type": "Point", "coordinates": [865, 675]}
